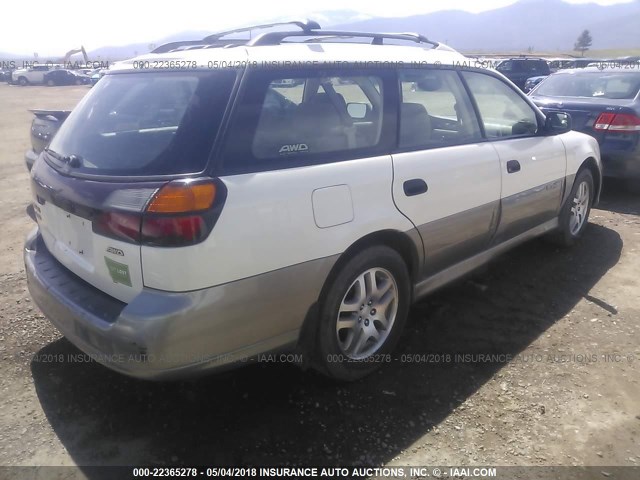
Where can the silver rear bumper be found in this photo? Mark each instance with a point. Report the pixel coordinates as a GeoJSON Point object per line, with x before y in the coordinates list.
{"type": "Point", "coordinates": [165, 335]}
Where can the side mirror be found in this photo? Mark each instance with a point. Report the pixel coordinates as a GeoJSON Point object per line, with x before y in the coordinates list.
{"type": "Point", "coordinates": [557, 123]}
{"type": "Point", "coordinates": [357, 111]}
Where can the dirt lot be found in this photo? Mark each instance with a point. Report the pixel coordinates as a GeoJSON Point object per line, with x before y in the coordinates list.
{"type": "Point", "coordinates": [562, 387]}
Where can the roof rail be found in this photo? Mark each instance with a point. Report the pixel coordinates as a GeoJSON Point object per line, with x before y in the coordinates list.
{"type": "Point", "coordinates": [275, 38]}
{"type": "Point", "coordinates": [216, 38]}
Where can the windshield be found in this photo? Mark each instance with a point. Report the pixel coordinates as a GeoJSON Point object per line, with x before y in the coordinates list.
{"type": "Point", "coordinates": [145, 124]}
{"type": "Point", "coordinates": [591, 85]}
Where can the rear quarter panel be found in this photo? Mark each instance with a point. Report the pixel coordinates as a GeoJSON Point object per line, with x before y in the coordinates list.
{"type": "Point", "coordinates": [272, 220]}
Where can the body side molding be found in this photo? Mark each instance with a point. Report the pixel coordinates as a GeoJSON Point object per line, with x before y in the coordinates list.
{"type": "Point", "coordinates": [436, 281]}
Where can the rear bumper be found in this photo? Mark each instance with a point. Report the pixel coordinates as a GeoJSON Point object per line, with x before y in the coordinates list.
{"type": "Point", "coordinates": [164, 335]}
{"type": "Point", "coordinates": [620, 154]}
{"type": "Point", "coordinates": [624, 165]}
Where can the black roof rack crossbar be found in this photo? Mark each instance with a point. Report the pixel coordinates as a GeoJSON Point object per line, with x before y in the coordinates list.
{"type": "Point", "coordinates": [275, 38]}
{"type": "Point", "coordinates": [304, 25]}
{"type": "Point", "coordinates": [167, 47]}
{"type": "Point", "coordinates": [327, 38]}
{"type": "Point", "coordinates": [216, 38]}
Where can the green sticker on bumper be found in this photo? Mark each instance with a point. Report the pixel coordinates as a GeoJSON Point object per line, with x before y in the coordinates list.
{"type": "Point", "coordinates": [119, 272]}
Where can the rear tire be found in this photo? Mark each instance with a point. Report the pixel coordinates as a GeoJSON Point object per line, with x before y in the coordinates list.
{"type": "Point", "coordinates": [23, 82]}
{"type": "Point", "coordinates": [50, 83]}
{"type": "Point", "coordinates": [363, 314]}
{"type": "Point", "coordinates": [574, 216]}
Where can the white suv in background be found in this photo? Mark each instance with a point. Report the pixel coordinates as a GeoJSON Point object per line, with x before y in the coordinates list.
{"type": "Point", "coordinates": [217, 200]}
{"type": "Point", "coordinates": [30, 76]}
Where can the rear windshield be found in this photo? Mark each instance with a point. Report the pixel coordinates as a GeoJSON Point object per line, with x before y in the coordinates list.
{"type": "Point", "coordinates": [144, 124]}
{"type": "Point", "coordinates": [591, 85]}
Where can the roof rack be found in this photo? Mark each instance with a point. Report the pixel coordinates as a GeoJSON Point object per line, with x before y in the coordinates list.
{"type": "Point", "coordinates": [308, 28]}
{"type": "Point", "coordinates": [216, 39]}
{"type": "Point", "coordinates": [275, 38]}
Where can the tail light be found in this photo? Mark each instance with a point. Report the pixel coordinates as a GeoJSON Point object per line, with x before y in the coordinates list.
{"type": "Point", "coordinates": [617, 122]}
{"type": "Point", "coordinates": [180, 213]}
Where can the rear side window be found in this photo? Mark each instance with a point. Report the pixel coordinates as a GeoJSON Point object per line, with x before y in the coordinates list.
{"type": "Point", "coordinates": [309, 117]}
{"type": "Point", "coordinates": [145, 123]}
{"type": "Point", "coordinates": [435, 110]}
{"type": "Point", "coordinates": [503, 111]}
{"type": "Point", "coordinates": [539, 67]}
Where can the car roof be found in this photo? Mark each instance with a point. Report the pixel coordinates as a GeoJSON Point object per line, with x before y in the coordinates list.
{"type": "Point", "coordinates": [523, 59]}
{"type": "Point", "coordinates": [598, 70]}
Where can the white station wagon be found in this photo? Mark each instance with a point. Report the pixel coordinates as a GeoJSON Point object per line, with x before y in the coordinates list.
{"type": "Point", "coordinates": [218, 200]}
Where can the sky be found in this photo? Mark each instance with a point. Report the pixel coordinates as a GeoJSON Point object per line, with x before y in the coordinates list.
{"type": "Point", "coordinates": [52, 28]}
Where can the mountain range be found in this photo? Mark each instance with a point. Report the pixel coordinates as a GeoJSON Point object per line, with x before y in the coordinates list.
{"type": "Point", "coordinates": [534, 25]}
{"type": "Point", "coordinates": [542, 25]}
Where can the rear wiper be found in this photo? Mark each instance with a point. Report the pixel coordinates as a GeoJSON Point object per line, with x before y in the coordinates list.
{"type": "Point", "coordinates": [74, 161]}
{"type": "Point", "coordinates": [54, 154]}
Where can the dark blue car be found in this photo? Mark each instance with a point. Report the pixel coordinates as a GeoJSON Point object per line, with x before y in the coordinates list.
{"type": "Point", "coordinates": [604, 103]}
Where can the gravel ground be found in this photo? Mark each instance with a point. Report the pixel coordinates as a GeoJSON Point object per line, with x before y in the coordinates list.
{"type": "Point", "coordinates": [534, 361]}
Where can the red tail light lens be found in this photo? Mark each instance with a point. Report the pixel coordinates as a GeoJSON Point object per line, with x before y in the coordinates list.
{"type": "Point", "coordinates": [617, 122]}
{"type": "Point", "coordinates": [174, 231]}
{"type": "Point", "coordinates": [180, 213]}
{"type": "Point", "coordinates": [121, 226]}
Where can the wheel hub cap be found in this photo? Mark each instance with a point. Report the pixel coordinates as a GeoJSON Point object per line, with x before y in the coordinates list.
{"type": "Point", "coordinates": [580, 208]}
{"type": "Point", "coordinates": [361, 332]}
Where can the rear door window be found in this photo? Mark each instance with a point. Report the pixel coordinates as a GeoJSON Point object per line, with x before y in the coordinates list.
{"type": "Point", "coordinates": [144, 124]}
{"type": "Point", "coordinates": [435, 110]}
{"type": "Point", "coordinates": [284, 120]}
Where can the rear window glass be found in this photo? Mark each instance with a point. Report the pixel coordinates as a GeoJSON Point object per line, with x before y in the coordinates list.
{"type": "Point", "coordinates": [145, 124]}
{"type": "Point", "coordinates": [593, 85]}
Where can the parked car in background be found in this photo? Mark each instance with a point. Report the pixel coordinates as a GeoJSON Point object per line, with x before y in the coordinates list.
{"type": "Point", "coordinates": [532, 82]}
{"type": "Point", "coordinates": [43, 127]}
{"type": "Point", "coordinates": [65, 77]}
{"type": "Point", "coordinates": [30, 76]}
{"type": "Point", "coordinates": [518, 70]}
{"type": "Point", "coordinates": [604, 104]}
{"type": "Point", "coordinates": [5, 75]}
{"type": "Point", "coordinates": [96, 75]}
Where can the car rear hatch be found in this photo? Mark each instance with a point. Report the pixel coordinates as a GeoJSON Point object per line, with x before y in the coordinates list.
{"type": "Point", "coordinates": [126, 169]}
{"type": "Point", "coordinates": [44, 126]}
{"type": "Point", "coordinates": [602, 103]}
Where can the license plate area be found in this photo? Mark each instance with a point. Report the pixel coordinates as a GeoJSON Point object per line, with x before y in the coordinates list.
{"type": "Point", "coordinates": [68, 236]}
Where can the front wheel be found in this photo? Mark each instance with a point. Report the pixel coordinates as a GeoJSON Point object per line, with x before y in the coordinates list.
{"type": "Point", "coordinates": [574, 215]}
{"type": "Point", "coordinates": [23, 82]}
{"type": "Point", "coordinates": [362, 314]}
{"type": "Point", "coordinates": [50, 83]}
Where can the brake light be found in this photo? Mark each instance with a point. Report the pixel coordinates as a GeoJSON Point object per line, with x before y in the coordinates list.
{"type": "Point", "coordinates": [174, 231]}
{"type": "Point", "coordinates": [180, 213]}
{"type": "Point", "coordinates": [122, 226]}
{"type": "Point", "coordinates": [617, 122]}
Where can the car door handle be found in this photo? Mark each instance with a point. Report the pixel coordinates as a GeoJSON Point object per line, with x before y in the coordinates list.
{"type": "Point", "coordinates": [415, 186]}
{"type": "Point", "coordinates": [513, 166]}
